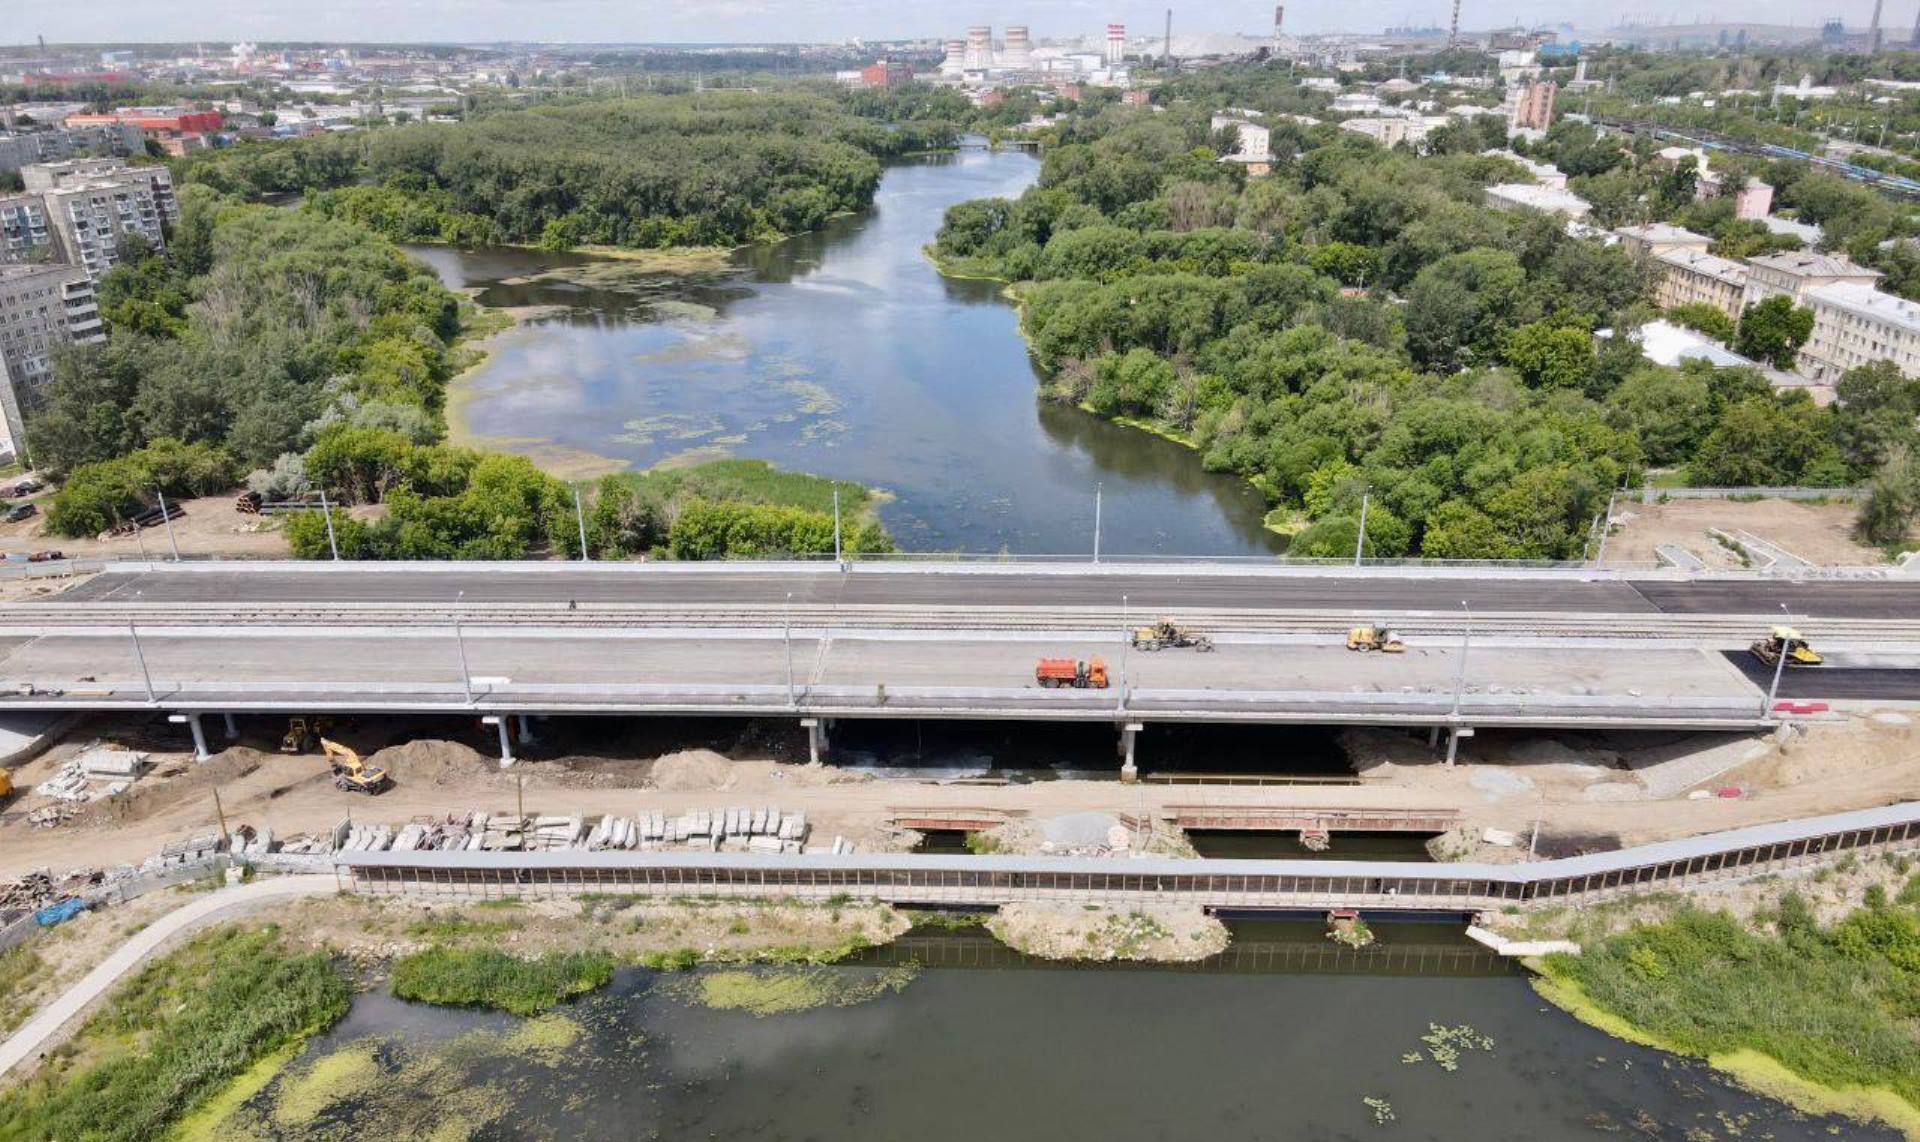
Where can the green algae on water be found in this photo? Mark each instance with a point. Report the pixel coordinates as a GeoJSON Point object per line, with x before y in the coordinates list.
{"type": "Point", "coordinates": [781, 991]}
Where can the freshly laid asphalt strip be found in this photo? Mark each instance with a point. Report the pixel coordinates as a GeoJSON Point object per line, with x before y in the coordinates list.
{"type": "Point", "coordinates": [1831, 682]}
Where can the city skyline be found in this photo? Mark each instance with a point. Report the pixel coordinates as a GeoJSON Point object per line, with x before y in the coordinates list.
{"type": "Point", "coordinates": [785, 21]}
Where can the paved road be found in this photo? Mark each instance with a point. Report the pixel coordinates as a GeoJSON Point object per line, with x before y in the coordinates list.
{"type": "Point", "coordinates": [1145, 591]}
{"type": "Point", "coordinates": [44, 1030]}
{"type": "Point", "coordinates": [1833, 682]}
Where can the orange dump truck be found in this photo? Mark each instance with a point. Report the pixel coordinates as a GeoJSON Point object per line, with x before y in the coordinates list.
{"type": "Point", "coordinates": [1057, 672]}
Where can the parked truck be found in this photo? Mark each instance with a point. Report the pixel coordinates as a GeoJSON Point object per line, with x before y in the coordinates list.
{"type": "Point", "coordinates": [1069, 673]}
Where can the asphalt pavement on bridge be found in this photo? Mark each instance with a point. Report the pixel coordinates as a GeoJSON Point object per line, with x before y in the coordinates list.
{"type": "Point", "coordinates": [1145, 589]}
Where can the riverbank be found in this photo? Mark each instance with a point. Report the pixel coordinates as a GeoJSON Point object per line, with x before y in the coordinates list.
{"type": "Point", "coordinates": [1800, 997]}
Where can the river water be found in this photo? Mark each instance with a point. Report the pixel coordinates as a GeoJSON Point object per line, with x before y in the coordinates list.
{"type": "Point", "coordinates": [842, 352]}
{"type": "Point", "coordinates": [1284, 1037]}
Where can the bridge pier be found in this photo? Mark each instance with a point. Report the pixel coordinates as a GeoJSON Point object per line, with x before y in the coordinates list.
{"type": "Point", "coordinates": [1454, 734]}
{"type": "Point", "coordinates": [526, 729]}
{"type": "Point", "coordinates": [500, 724]}
{"type": "Point", "coordinates": [1129, 732]}
{"type": "Point", "coordinates": [233, 731]}
{"type": "Point", "coordinates": [200, 750]}
{"type": "Point", "coordinates": [816, 739]}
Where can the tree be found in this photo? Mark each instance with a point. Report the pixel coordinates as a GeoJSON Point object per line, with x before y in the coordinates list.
{"type": "Point", "coordinates": [1459, 307]}
{"type": "Point", "coordinates": [1893, 499]}
{"type": "Point", "coordinates": [1767, 440]}
{"type": "Point", "coordinates": [1773, 331]}
{"type": "Point", "coordinates": [1875, 414]}
{"type": "Point", "coordinates": [1548, 356]}
{"type": "Point", "coordinates": [1702, 317]}
{"type": "Point", "coordinates": [1670, 410]}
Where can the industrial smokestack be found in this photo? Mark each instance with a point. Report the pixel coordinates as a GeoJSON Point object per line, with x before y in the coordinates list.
{"type": "Point", "coordinates": [1914, 42]}
{"type": "Point", "coordinates": [1116, 44]}
{"type": "Point", "coordinates": [1453, 33]}
{"type": "Point", "coordinates": [1169, 39]}
{"type": "Point", "coordinates": [1873, 30]}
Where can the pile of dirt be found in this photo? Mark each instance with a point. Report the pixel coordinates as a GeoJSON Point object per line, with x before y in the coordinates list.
{"type": "Point", "coordinates": [1156, 933]}
{"type": "Point", "coordinates": [429, 761]}
{"type": "Point", "coordinates": [173, 781]}
{"type": "Point", "coordinates": [692, 769]}
{"type": "Point", "coordinates": [1374, 753]}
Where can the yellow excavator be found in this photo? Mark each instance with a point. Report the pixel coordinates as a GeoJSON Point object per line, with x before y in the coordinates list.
{"type": "Point", "coordinates": [1787, 641]}
{"type": "Point", "coordinates": [351, 772]}
{"type": "Point", "coordinates": [1374, 638]}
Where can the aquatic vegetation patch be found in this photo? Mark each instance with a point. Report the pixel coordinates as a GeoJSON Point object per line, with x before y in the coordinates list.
{"type": "Point", "coordinates": [483, 977]}
{"type": "Point", "coordinates": [780, 991]}
{"type": "Point", "coordinates": [343, 1075]}
{"type": "Point", "coordinates": [187, 1025]}
{"type": "Point", "coordinates": [1445, 1045]}
{"type": "Point", "coordinates": [1382, 1109]}
{"type": "Point", "coordinates": [1831, 1006]}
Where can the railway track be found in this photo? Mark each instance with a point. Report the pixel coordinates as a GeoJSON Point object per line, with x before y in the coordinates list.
{"type": "Point", "coordinates": [1732, 629]}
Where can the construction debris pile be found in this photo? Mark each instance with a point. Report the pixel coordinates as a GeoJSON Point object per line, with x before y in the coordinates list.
{"type": "Point", "coordinates": [741, 829]}
{"type": "Point", "coordinates": [98, 772]}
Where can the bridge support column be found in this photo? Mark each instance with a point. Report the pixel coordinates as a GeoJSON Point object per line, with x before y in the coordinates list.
{"type": "Point", "coordinates": [500, 724]}
{"type": "Point", "coordinates": [1129, 733]}
{"type": "Point", "coordinates": [1454, 734]}
{"type": "Point", "coordinates": [200, 750]}
{"type": "Point", "coordinates": [525, 727]}
{"type": "Point", "coordinates": [233, 731]}
{"type": "Point", "coordinates": [1433, 738]}
{"type": "Point", "coordinates": [816, 739]}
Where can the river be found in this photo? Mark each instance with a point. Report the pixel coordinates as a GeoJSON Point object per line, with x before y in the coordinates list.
{"type": "Point", "coordinates": [844, 353]}
{"type": "Point", "coordinates": [1283, 1037]}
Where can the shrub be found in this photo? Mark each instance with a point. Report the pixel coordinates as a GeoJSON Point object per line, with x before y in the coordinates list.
{"type": "Point", "coordinates": [487, 978]}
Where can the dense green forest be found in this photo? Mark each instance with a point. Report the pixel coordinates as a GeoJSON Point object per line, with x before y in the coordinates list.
{"type": "Point", "coordinates": [711, 169]}
{"type": "Point", "coordinates": [1358, 325]}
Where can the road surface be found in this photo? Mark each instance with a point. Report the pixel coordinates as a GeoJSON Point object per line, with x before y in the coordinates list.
{"type": "Point", "coordinates": [1145, 589]}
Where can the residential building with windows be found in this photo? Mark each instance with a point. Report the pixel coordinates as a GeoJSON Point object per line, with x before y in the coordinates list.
{"type": "Point", "coordinates": [1854, 325]}
{"type": "Point", "coordinates": [25, 235]}
{"type": "Point", "coordinates": [1690, 277]}
{"type": "Point", "coordinates": [92, 206]}
{"type": "Point", "coordinates": [1794, 274]}
{"type": "Point", "coordinates": [1656, 238]}
{"type": "Point", "coordinates": [41, 308]}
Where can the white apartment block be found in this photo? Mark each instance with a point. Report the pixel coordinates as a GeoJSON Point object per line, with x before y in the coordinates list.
{"type": "Point", "coordinates": [92, 216]}
{"type": "Point", "coordinates": [41, 308]}
{"type": "Point", "coordinates": [25, 235]}
{"type": "Point", "coordinates": [1854, 325]}
{"type": "Point", "coordinates": [1391, 131]}
{"type": "Point", "coordinates": [1689, 276]}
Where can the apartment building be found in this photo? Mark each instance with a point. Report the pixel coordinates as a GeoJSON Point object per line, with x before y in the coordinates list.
{"type": "Point", "coordinates": [25, 235]}
{"type": "Point", "coordinates": [1795, 274]}
{"type": "Point", "coordinates": [41, 308]}
{"type": "Point", "coordinates": [1393, 130]}
{"type": "Point", "coordinates": [1656, 238]}
{"type": "Point", "coordinates": [20, 148]}
{"type": "Point", "coordinates": [1514, 195]}
{"type": "Point", "coordinates": [92, 205]}
{"type": "Point", "coordinates": [1692, 276]}
{"type": "Point", "coordinates": [1854, 325]}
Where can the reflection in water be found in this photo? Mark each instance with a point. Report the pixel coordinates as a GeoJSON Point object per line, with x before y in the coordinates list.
{"type": "Point", "coordinates": [1283, 1038]}
{"type": "Point", "coordinates": [841, 352]}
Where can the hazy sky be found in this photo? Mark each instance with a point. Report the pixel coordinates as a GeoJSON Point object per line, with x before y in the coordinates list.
{"type": "Point", "coordinates": [815, 20]}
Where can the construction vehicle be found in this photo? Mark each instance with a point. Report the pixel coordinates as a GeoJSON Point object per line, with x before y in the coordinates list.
{"type": "Point", "coordinates": [1787, 641]}
{"type": "Point", "coordinates": [303, 734]}
{"type": "Point", "coordinates": [351, 772]}
{"type": "Point", "coordinates": [1166, 633]}
{"type": "Point", "coordinates": [1374, 638]}
{"type": "Point", "coordinates": [6, 783]}
{"type": "Point", "coordinates": [1067, 673]}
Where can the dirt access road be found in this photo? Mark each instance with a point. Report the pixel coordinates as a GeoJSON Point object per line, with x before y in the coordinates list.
{"type": "Point", "coordinates": [1579, 785]}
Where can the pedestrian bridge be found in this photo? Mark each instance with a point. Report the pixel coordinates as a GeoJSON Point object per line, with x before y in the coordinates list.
{"type": "Point", "coordinates": [1276, 885]}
